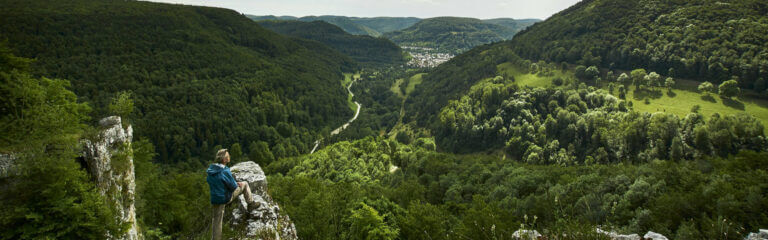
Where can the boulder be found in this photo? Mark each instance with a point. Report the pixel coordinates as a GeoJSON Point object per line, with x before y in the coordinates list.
{"type": "Point", "coordinates": [760, 235]}
{"type": "Point", "coordinates": [526, 234]}
{"type": "Point", "coordinates": [265, 221]}
{"type": "Point", "coordinates": [616, 236]}
{"type": "Point", "coordinates": [654, 236]}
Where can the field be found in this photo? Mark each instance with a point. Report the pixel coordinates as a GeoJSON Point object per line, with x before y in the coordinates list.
{"type": "Point", "coordinates": [412, 82]}
{"type": "Point", "coordinates": [527, 79]}
{"type": "Point", "coordinates": [683, 97]}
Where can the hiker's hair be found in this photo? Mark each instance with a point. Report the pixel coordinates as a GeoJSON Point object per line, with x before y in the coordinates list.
{"type": "Point", "coordinates": [220, 155]}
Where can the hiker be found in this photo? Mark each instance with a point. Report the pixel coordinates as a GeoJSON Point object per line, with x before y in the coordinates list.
{"type": "Point", "coordinates": [224, 189]}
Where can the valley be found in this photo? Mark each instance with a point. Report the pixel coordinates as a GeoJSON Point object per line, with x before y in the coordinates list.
{"type": "Point", "coordinates": [606, 119]}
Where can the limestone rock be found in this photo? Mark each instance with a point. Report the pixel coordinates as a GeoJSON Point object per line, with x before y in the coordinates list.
{"type": "Point", "coordinates": [109, 160]}
{"type": "Point", "coordinates": [616, 236]}
{"type": "Point", "coordinates": [7, 165]}
{"type": "Point", "coordinates": [266, 221]}
{"type": "Point", "coordinates": [526, 234]}
{"type": "Point", "coordinates": [654, 236]}
{"type": "Point", "coordinates": [760, 235]}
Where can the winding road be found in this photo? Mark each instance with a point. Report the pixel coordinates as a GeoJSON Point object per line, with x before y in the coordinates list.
{"type": "Point", "coordinates": [339, 129]}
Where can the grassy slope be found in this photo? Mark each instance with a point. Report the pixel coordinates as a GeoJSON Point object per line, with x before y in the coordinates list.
{"type": "Point", "coordinates": [683, 97]}
{"type": "Point", "coordinates": [528, 79]}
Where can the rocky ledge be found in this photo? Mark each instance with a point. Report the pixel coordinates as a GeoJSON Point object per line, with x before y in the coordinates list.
{"type": "Point", "coordinates": [265, 221]}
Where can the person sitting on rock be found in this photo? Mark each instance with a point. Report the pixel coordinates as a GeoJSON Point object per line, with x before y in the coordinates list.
{"type": "Point", "coordinates": [224, 189]}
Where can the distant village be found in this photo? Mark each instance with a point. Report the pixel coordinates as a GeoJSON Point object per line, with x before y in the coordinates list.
{"type": "Point", "coordinates": [424, 57]}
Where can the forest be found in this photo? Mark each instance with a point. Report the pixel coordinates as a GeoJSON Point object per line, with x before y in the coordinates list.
{"type": "Point", "coordinates": [201, 77]}
{"type": "Point", "coordinates": [685, 39]}
{"type": "Point", "coordinates": [369, 51]}
{"type": "Point", "coordinates": [519, 134]}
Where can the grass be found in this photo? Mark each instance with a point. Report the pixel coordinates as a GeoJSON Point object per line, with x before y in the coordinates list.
{"type": "Point", "coordinates": [412, 82]}
{"type": "Point", "coordinates": [522, 78]}
{"type": "Point", "coordinates": [683, 98]}
{"type": "Point", "coordinates": [680, 101]}
{"type": "Point", "coordinates": [396, 88]}
{"type": "Point", "coordinates": [415, 80]}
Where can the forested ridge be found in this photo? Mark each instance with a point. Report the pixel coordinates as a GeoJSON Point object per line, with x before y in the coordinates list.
{"type": "Point", "coordinates": [366, 50]}
{"type": "Point", "coordinates": [200, 76]}
{"type": "Point", "coordinates": [450, 34]}
{"type": "Point", "coordinates": [700, 39]}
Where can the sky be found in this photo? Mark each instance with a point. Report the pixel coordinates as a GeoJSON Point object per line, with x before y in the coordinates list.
{"type": "Point", "coordinates": [483, 9]}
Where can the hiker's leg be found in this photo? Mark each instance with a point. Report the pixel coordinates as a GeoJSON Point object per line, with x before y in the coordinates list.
{"type": "Point", "coordinates": [247, 192]}
{"type": "Point", "coordinates": [218, 218]}
{"type": "Point", "coordinates": [237, 192]}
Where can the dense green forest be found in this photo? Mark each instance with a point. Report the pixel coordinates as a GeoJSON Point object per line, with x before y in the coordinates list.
{"type": "Point", "coordinates": [702, 40]}
{"type": "Point", "coordinates": [366, 50]}
{"type": "Point", "coordinates": [451, 34]}
{"type": "Point", "coordinates": [47, 195]}
{"type": "Point", "coordinates": [552, 131]}
{"type": "Point", "coordinates": [201, 77]}
{"type": "Point", "coordinates": [372, 26]}
{"type": "Point", "coordinates": [342, 22]}
{"type": "Point", "coordinates": [516, 25]}
{"type": "Point", "coordinates": [381, 189]}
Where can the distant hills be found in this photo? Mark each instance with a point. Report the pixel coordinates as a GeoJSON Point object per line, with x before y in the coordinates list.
{"type": "Point", "coordinates": [367, 50]}
{"type": "Point", "coordinates": [375, 26]}
{"type": "Point", "coordinates": [450, 33]}
{"type": "Point", "coordinates": [453, 34]}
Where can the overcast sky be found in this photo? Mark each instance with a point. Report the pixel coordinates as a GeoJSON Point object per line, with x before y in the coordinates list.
{"type": "Point", "coordinates": [483, 9]}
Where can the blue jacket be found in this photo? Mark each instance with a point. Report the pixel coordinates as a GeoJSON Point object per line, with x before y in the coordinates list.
{"type": "Point", "coordinates": [221, 182]}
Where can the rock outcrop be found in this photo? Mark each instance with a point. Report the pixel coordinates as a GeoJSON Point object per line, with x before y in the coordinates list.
{"type": "Point", "coordinates": [7, 165]}
{"type": "Point", "coordinates": [760, 235]}
{"type": "Point", "coordinates": [265, 221]}
{"type": "Point", "coordinates": [616, 236]}
{"type": "Point", "coordinates": [654, 236]}
{"type": "Point", "coordinates": [109, 160]}
{"type": "Point", "coordinates": [524, 234]}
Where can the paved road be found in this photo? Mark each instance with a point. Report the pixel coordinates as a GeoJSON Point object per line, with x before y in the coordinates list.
{"type": "Point", "coordinates": [339, 129]}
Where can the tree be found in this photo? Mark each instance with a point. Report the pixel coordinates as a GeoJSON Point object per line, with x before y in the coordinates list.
{"type": "Point", "coordinates": [669, 83]}
{"type": "Point", "coordinates": [638, 75]}
{"type": "Point", "coordinates": [236, 152]}
{"type": "Point", "coordinates": [623, 79]}
{"type": "Point", "coordinates": [653, 79]}
{"type": "Point", "coordinates": [366, 223]}
{"type": "Point", "coordinates": [50, 196]}
{"type": "Point", "coordinates": [729, 88]}
{"type": "Point", "coordinates": [122, 104]}
{"type": "Point", "coordinates": [706, 88]}
{"type": "Point", "coordinates": [259, 152]}
{"type": "Point", "coordinates": [580, 72]}
{"type": "Point", "coordinates": [591, 72]}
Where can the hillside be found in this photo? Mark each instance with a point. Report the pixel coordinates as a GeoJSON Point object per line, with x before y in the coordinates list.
{"type": "Point", "coordinates": [344, 23]}
{"type": "Point", "coordinates": [450, 34]}
{"type": "Point", "coordinates": [368, 51]}
{"type": "Point", "coordinates": [701, 40]}
{"type": "Point", "coordinates": [386, 24]}
{"type": "Point", "coordinates": [516, 25]}
{"type": "Point", "coordinates": [201, 77]}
